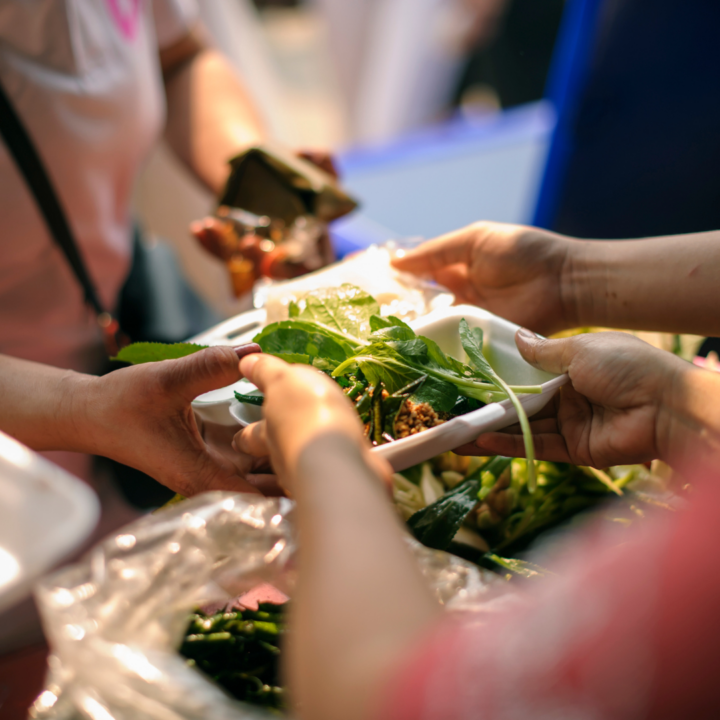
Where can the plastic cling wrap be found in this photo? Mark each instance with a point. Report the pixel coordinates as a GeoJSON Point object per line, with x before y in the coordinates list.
{"type": "Point", "coordinates": [115, 620]}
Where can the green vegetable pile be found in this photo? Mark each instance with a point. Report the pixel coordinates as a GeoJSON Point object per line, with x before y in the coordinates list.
{"type": "Point", "coordinates": [484, 510]}
{"type": "Point", "coordinates": [240, 651]}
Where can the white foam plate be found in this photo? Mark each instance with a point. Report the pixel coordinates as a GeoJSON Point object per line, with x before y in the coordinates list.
{"type": "Point", "coordinates": [45, 514]}
{"type": "Point", "coordinates": [214, 406]}
{"type": "Point", "coordinates": [500, 349]}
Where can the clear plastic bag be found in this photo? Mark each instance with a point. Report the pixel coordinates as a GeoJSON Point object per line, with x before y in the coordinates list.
{"type": "Point", "coordinates": [115, 620]}
{"type": "Point", "coordinates": [398, 293]}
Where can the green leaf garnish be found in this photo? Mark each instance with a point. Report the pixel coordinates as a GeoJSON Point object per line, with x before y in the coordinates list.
{"type": "Point", "coordinates": [250, 399]}
{"type": "Point", "coordinates": [472, 342]}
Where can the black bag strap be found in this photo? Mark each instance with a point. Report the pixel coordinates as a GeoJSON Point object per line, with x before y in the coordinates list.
{"type": "Point", "coordinates": [21, 147]}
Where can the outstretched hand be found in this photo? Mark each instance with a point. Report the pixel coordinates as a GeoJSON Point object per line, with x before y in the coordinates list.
{"type": "Point", "coordinates": [613, 412]}
{"type": "Point", "coordinates": [301, 404]}
{"type": "Point", "coordinates": [141, 416]}
{"type": "Point", "coordinates": [513, 271]}
{"type": "Point", "coordinates": [212, 232]}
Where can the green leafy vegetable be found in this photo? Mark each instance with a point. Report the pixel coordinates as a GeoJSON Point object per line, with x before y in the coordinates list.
{"type": "Point", "coordinates": [339, 331]}
{"type": "Point", "coordinates": [145, 352]}
{"type": "Point", "coordinates": [250, 399]}
{"type": "Point", "coordinates": [346, 310]}
{"type": "Point", "coordinates": [437, 524]}
{"type": "Point", "coordinates": [306, 339]}
{"type": "Point", "coordinates": [472, 342]}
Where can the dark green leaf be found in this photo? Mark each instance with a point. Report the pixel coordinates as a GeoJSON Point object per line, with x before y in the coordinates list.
{"type": "Point", "coordinates": [295, 358]}
{"type": "Point", "coordinates": [381, 363]}
{"type": "Point", "coordinates": [465, 405]}
{"type": "Point", "coordinates": [440, 395]}
{"type": "Point", "coordinates": [346, 309]}
{"type": "Point", "coordinates": [436, 525]}
{"type": "Point", "coordinates": [390, 328]}
{"type": "Point", "coordinates": [300, 337]}
{"type": "Point", "coordinates": [145, 352]}
{"type": "Point", "coordinates": [391, 408]}
{"type": "Point", "coordinates": [472, 342]}
{"type": "Point", "coordinates": [250, 399]}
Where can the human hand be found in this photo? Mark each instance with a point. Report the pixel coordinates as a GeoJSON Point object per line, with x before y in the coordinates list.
{"type": "Point", "coordinates": [516, 272]}
{"type": "Point", "coordinates": [613, 412]}
{"type": "Point", "coordinates": [213, 233]}
{"type": "Point", "coordinates": [301, 405]}
{"type": "Point", "coordinates": [141, 416]}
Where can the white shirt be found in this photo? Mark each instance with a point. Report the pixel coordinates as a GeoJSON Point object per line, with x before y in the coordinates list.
{"type": "Point", "coordinates": [84, 76]}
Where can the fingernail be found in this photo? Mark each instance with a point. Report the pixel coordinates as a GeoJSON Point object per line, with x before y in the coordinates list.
{"type": "Point", "coordinates": [248, 349]}
{"type": "Point", "coordinates": [247, 365]}
{"type": "Point", "coordinates": [527, 335]}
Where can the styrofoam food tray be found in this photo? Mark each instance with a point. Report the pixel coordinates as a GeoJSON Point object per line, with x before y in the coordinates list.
{"type": "Point", "coordinates": [214, 406]}
{"type": "Point", "coordinates": [501, 351]}
{"type": "Point", "coordinates": [45, 514]}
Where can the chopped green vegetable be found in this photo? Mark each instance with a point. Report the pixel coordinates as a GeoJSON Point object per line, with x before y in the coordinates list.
{"type": "Point", "coordinates": [250, 399]}
{"type": "Point", "coordinates": [240, 651]}
{"type": "Point", "coordinates": [437, 524]}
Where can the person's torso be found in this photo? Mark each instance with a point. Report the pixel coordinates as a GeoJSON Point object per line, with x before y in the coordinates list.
{"type": "Point", "coordinates": [84, 77]}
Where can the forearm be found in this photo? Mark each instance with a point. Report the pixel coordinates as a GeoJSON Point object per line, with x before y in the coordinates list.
{"type": "Point", "coordinates": [210, 116]}
{"type": "Point", "coordinates": [45, 407]}
{"type": "Point", "coordinates": [666, 284]}
{"type": "Point", "coordinates": [688, 426]}
{"type": "Point", "coordinates": [360, 599]}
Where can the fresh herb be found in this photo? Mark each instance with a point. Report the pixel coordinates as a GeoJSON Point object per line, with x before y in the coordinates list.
{"type": "Point", "coordinates": [472, 342]}
{"type": "Point", "coordinates": [437, 524]}
{"type": "Point", "coordinates": [250, 399]}
{"type": "Point", "coordinates": [495, 500]}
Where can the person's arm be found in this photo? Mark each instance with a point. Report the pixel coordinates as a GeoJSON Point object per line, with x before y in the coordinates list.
{"type": "Point", "coordinates": [665, 284]}
{"type": "Point", "coordinates": [210, 115]}
{"type": "Point", "coordinates": [360, 600]}
{"type": "Point", "coordinates": [140, 416]}
{"type": "Point", "coordinates": [549, 282]}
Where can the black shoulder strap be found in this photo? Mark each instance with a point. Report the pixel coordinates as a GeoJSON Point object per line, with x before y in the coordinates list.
{"type": "Point", "coordinates": [27, 159]}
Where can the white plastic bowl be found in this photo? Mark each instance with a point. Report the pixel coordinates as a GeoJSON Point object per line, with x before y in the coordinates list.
{"type": "Point", "coordinates": [45, 514]}
{"type": "Point", "coordinates": [500, 349]}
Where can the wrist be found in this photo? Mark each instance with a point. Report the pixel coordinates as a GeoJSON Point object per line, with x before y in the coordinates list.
{"type": "Point", "coordinates": [75, 413]}
{"type": "Point", "coordinates": [688, 419]}
{"type": "Point", "coordinates": [327, 458]}
{"type": "Point", "coordinates": [583, 283]}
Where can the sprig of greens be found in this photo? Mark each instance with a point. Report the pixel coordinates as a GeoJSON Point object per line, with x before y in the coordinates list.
{"type": "Point", "coordinates": [472, 342]}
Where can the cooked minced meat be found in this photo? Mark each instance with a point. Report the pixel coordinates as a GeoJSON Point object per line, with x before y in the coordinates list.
{"type": "Point", "coordinates": [414, 418]}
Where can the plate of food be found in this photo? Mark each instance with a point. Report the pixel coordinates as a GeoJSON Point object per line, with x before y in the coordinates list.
{"type": "Point", "coordinates": [397, 294]}
{"type": "Point", "coordinates": [421, 388]}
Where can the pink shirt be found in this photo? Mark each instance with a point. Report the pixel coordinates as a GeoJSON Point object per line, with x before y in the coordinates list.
{"type": "Point", "coordinates": [628, 629]}
{"type": "Point", "coordinates": [84, 75]}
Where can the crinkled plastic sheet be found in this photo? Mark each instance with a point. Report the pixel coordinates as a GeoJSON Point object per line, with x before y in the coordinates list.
{"type": "Point", "coordinates": [398, 293]}
{"type": "Point", "coordinates": [114, 621]}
